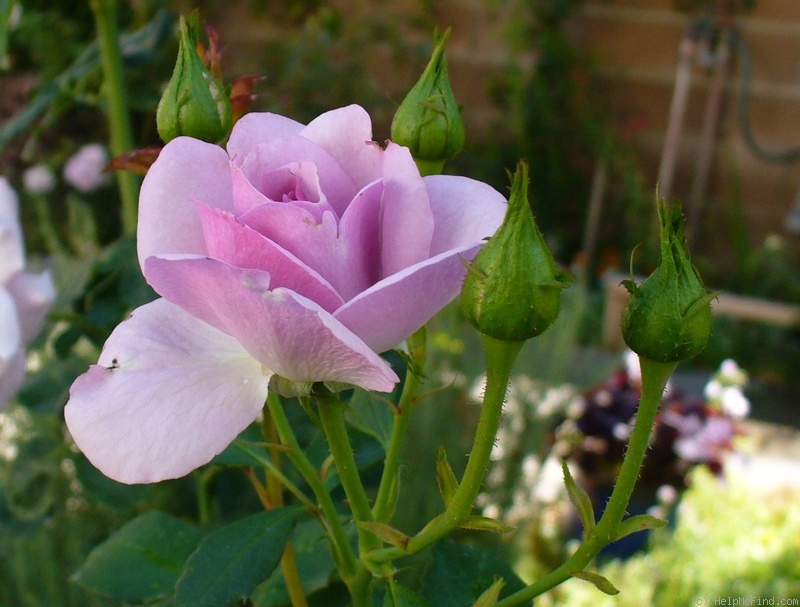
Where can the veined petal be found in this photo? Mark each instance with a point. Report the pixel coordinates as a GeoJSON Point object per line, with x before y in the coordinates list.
{"type": "Point", "coordinates": [407, 223]}
{"type": "Point", "coordinates": [187, 170]}
{"type": "Point", "coordinates": [168, 394]}
{"type": "Point", "coordinates": [241, 246]}
{"type": "Point", "coordinates": [255, 128]}
{"type": "Point", "coordinates": [465, 211]}
{"type": "Point", "coordinates": [290, 334]}
{"type": "Point", "coordinates": [346, 134]}
{"type": "Point", "coordinates": [390, 311]}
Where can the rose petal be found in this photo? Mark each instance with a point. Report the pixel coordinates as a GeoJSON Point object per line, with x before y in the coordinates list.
{"type": "Point", "coordinates": [241, 246]}
{"type": "Point", "coordinates": [386, 314]}
{"type": "Point", "coordinates": [359, 245]}
{"type": "Point", "coordinates": [10, 331]}
{"type": "Point", "coordinates": [12, 251]}
{"type": "Point", "coordinates": [338, 186]}
{"type": "Point", "coordinates": [255, 128]}
{"type": "Point", "coordinates": [465, 211]}
{"type": "Point", "coordinates": [288, 333]}
{"type": "Point", "coordinates": [168, 394]}
{"type": "Point", "coordinates": [33, 295]}
{"type": "Point", "coordinates": [346, 134]}
{"type": "Point", "coordinates": [295, 229]}
{"type": "Point", "coordinates": [187, 170]}
{"type": "Point", "coordinates": [407, 224]}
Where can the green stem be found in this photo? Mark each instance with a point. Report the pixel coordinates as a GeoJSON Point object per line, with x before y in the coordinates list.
{"type": "Point", "coordinates": [343, 553]}
{"type": "Point", "coordinates": [121, 133]}
{"type": "Point", "coordinates": [654, 379]}
{"type": "Point", "coordinates": [291, 574]}
{"type": "Point", "coordinates": [385, 501]}
{"type": "Point", "coordinates": [500, 357]}
{"type": "Point", "coordinates": [331, 415]}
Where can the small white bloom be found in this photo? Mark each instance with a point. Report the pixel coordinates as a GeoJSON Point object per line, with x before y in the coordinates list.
{"type": "Point", "coordinates": [735, 403]}
{"type": "Point", "coordinates": [39, 179]}
{"type": "Point", "coordinates": [622, 432]}
{"type": "Point", "coordinates": [84, 169]}
{"type": "Point", "coordinates": [604, 398]}
{"type": "Point", "coordinates": [713, 390]}
{"type": "Point", "coordinates": [632, 367]}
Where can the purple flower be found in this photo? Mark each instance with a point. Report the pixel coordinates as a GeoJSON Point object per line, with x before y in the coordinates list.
{"type": "Point", "coordinates": [302, 251]}
{"type": "Point", "coordinates": [24, 297]}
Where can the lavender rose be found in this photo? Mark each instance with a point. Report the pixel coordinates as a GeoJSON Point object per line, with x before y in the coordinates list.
{"type": "Point", "coordinates": [301, 251]}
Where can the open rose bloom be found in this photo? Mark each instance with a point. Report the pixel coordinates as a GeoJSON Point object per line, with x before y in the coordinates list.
{"type": "Point", "coordinates": [24, 297]}
{"type": "Point", "coordinates": [302, 251]}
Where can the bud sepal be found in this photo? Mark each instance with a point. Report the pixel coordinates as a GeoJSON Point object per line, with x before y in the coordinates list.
{"type": "Point", "coordinates": [429, 121]}
{"type": "Point", "coordinates": [512, 291]}
{"type": "Point", "coordinates": [668, 317]}
{"type": "Point", "coordinates": [195, 103]}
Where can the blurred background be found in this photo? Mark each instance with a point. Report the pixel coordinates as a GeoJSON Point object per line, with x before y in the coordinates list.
{"type": "Point", "coordinates": [607, 99]}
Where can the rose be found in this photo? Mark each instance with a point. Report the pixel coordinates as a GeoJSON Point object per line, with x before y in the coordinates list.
{"type": "Point", "coordinates": [302, 251]}
{"type": "Point", "coordinates": [24, 297]}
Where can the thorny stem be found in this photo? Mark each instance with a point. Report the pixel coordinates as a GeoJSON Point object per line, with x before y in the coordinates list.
{"type": "Point", "coordinates": [343, 553]}
{"type": "Point", "coordinates": [654, 379]}
{"type": "Point", "coordinates": [385, 501]}
{"type": "Point", "coordinates": [500, 357]}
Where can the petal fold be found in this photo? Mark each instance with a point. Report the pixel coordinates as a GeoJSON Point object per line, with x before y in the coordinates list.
{"type": "Point", "coordinates": [168, 394]}
{"type": "Point", "coordinates": [290, 334]}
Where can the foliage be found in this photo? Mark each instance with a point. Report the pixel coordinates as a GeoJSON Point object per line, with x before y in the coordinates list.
{"type": "Point", "coordinates": [708, 554]}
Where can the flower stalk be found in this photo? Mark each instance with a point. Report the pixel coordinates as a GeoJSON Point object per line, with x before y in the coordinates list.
{"type": "Point", "coordinates": [119, 122]}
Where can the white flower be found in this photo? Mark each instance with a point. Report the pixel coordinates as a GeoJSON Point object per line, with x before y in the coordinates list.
{"type": "Point", "coordinates": [735, 403]}
{"type": "Point", "coordinates": [84, 169]}
{"type": "Point", "coordinates": [39, 179]}
{"type": "Point", "coordinates": [24, 297]}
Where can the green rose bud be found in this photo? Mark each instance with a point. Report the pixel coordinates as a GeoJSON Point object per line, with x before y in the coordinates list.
{"type": "Point", "coordinates": [512, 291]}
{"type": "Point", "coordinates": [668, 317]}
{"type": "Point", "coordinates": [194, 102]}
{"type": "Point", "coordinates": [429, 121]}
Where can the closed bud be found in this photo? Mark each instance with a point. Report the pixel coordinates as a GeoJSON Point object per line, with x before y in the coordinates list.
{"type": "Point", "coordinates": [194, 103]}
{"type": "Point", "coordinates": [668, 317]}
{"type": "Point", "coordinates": [429, 122]}
{"type": "Point", "coordinates": [512, 291]}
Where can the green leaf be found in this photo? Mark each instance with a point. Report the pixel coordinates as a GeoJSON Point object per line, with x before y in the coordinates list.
{"type": "Point", "coordinates": [599, 582]}
{"type": "Point", "coordinates": [400, 596]}
{"type": "Point", "coordinates": [385, 532]}
{"type": "Point", "coordinates": [314, 562]}
{"type": "Point", "coordinates": [460, 574]}
{"type": "Point", "coordinates": [445, 477]}
{"type": "Point", "coordinates": [142, 561]}
{"type": "Point", "coordinates": [640, 522]}
{"type": "Point", "coordinates": [232, 561]}
{"type": "Point", "coordinates": [484, 523]}
{"type": "Point", "coordinates": [246, 450]}
{"type": "Point", "coordinates": [372, 416]}
{"type": "Point", "coordinates": [492, 594]}
{"type": "Point", "coordinates": [580, 499]}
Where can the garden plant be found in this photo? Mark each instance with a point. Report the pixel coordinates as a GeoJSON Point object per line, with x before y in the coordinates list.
{"type": "Point", "coordinates": [276, 364]}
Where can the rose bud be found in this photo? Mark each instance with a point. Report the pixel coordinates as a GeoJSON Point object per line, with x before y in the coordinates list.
{"type": "Point", "coordinates": [668, 317]}
{"type": "Point", "coordinates": [429, 122]}
{"type": "Point", "coordinates": [512, 291]}
{"type": "Point", "coordinates": [194, 103]}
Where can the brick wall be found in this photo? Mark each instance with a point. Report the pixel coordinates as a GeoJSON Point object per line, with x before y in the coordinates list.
{"type": "Point", "coordinates": [636, 43]}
